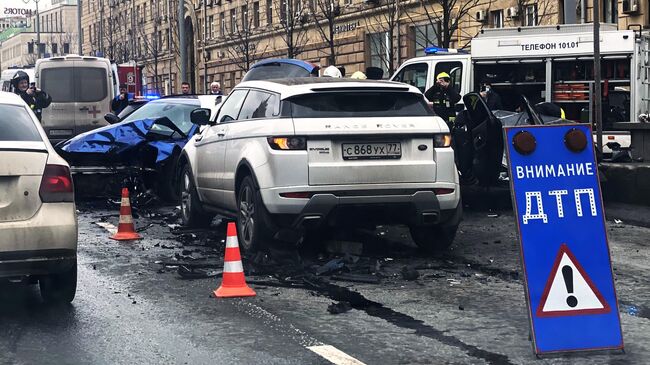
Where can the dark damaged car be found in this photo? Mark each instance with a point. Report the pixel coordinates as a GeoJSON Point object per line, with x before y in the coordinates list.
{"type": "Point", "coordinates": [477, 137]}
{"type": "Point", "coordinates": [140, 152]}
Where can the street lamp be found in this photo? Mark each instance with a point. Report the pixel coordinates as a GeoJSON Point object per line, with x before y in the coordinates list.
{"type": "Point", "coordinates": [38, 27]}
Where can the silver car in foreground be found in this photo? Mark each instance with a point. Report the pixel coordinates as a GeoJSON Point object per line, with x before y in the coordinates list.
{"type": "Point", "coordinates": [38, 222]}
{"type": "Point", "coordinates": [290, 156]}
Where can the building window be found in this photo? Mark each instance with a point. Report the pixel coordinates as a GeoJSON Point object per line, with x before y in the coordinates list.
{"type": "Point", "coordinates": [283, 11]}
{"type": "Point", "coordinates": [424, 36]}
{"type": "Point", "coordinates": [256, 14]}
{"type": "Point", "coordinates": [222, 21]}
{"type": "Point", "coordinates": [269, 12]}
{"type": "Point", "coordinates": [496, 18]}
{"type": "Point", "coordinates": [530, 17]}
{"type": "Point", "coordinates": [379, 44]}
{"type": "Point", "coordinates": [297, 6]}
{"type": "Point", "coordinates": [233, 20]}
{"type": "Point", "coordinates": [244, 18]}
{"type": "Point", "coordinates": [210, 26]}
{"type": "Point", "coordinates": [610, 11]}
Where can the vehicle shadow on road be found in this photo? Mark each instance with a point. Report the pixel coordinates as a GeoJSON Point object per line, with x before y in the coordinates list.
{"type": "Point", "coordinates": [22, 304]}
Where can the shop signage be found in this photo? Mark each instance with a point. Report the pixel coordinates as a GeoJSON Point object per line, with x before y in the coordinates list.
{"type": "Point", "coordinates": [17, 12]}
{"type": "Point", "coordinates": [344, 28]}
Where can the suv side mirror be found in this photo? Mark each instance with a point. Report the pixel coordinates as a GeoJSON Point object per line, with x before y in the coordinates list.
{"type": "Point", "coordinates": [200, 116]}
{"type": "Point", "coordinates": [111, 118]}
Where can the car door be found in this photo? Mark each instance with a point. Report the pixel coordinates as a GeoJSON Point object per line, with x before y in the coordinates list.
{"type": "Point", "coordinates": [211, 149]}
{"type": "Point", "coordinates": [92, 94]}
{"type": "Point", "coordinates": [57, 79]}
{"type": "Point", "coordinates": [258, 119]}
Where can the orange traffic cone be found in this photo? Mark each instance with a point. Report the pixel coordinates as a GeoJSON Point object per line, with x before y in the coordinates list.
{"type": "Point", "coordinates": [125, 229]}
{"type": "Point", "coordinates": [234, 282]}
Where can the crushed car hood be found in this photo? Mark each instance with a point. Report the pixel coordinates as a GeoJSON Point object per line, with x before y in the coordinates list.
{"type": "Point", "coordinates": [118, 142]}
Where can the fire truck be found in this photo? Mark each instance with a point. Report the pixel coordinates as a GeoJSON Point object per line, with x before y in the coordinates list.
{"type": "Point", "coordinates": [549, 63]}
{"type": "Point", "coordinates": [131, 74]}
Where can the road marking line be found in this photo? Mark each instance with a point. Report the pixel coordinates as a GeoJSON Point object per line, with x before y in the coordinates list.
{"type": "Point", "coordinates": [328, 352]}
{"type": "Point", "coordinates": [334, 355]}
{"type": "Point", "coordinates": [107, 226]}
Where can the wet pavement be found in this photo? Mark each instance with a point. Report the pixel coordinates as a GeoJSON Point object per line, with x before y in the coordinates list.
{"type": "Point", "coordinates": [384, 302]}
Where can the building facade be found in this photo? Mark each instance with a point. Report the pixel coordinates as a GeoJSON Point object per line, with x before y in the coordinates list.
{"type": "Point", "coordinates": [224, 37]}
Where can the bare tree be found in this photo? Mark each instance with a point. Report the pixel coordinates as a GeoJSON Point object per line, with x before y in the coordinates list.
{"type": "Point", "coordinates": [117, 32]}
{"type": "Point", "coordinates": [65, 38]}
{"type": "Point", "coordinates": [243, 47]}
{"type": "Point", "coordinates": [152, 44]}
{"type": "Point", "coordinates": [444, 17]}
{"type": "Point", "coordinates": [30, 59]}
{"type": "Point", "coordinates": [325, 13]}
{"type": "Point", "coordinates": [293, 20]}
{"type": "Point", "coordinates": [382, 23]}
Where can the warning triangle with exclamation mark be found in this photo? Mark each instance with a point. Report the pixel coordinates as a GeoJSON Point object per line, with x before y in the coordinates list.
{"type": "Point", "coordinates": [569, 291]}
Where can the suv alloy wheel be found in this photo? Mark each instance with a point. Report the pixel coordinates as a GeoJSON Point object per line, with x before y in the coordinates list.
{"type": "Point", "coordinates": [252, 218]}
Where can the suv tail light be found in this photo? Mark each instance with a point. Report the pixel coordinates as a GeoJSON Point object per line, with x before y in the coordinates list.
{"type": "Point", "coordinates": [56, 185]}
{"type": "Point", "coordinates": [288, 143]}
{"type": "Point", "coordinates": [442, 140]}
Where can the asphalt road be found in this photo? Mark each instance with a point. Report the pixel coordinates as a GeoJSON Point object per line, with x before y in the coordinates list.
{"type": "Point", "coordinates": [466, 306]}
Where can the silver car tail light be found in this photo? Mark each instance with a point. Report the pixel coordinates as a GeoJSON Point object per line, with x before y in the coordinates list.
{"type": "Point", "coordinates": [56, 185]}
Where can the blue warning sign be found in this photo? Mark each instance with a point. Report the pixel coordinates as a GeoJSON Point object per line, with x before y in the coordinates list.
{"type": "Point", "coordinates": [556, 194]}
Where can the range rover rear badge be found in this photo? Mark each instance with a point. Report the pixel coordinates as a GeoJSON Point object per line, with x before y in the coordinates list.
{"type": "Point", "coordinates": [422, 147]}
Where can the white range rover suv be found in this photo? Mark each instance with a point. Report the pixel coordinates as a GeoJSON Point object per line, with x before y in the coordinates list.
{"type": "Point", "coordinates": [291, 156]}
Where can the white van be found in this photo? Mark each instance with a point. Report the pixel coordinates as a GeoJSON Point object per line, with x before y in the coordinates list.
{"type": "Point", "coordinates": [81, 88]}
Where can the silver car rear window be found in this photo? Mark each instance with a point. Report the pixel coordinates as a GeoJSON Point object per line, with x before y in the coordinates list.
{"type": "Point", "coordinates": [17, 125]}
{"type": "Point", "coordinates": [359, 104]}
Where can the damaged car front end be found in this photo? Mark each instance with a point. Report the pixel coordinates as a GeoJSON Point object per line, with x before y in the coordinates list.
{"type": "Point", "coordinates": [140, 153]}
{"type": "Point", "coordinates": [478, 138]}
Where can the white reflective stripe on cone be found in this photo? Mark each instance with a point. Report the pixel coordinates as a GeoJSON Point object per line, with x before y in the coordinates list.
{"type": "Point", "coordinates": [232, 242]}
{"type": "Point", "coordinates": [233, 266]}
{"type": "Point", "coordinates": [126, 201]}
{"type": "Point", "coordinates": [126, 219]}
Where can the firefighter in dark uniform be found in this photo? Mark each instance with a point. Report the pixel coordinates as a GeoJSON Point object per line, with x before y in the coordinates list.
{"type": "Point", "coordinates": [35, 98]}
{"type": "Point", "coordinates": [444, 97]}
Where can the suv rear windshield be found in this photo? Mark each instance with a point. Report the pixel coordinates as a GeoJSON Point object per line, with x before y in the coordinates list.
{"type": "Point", "coordinates": [359, 104]}
{"type": "Point", "coordinates": [276, 70]}
{"type": "Point", "coordinates": [75, 84]}
{"type": "Point", "coordinates": [17, 125]}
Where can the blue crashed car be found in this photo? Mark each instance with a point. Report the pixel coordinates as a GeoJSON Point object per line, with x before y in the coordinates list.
{"type": "Point", "coordinates": [140, 152]}
{"type": "Point", "coordinates": [281, 68]}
